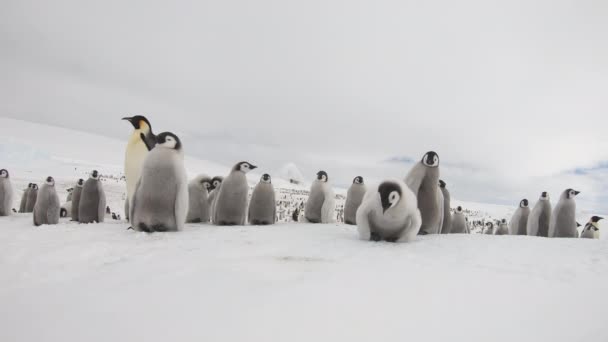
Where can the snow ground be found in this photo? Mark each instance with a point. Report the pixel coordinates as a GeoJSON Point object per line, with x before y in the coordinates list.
{"type": "Point", "coordinates": [294, 282]}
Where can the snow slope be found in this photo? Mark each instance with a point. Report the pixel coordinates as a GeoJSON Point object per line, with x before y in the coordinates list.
{"type": "Point", "coordinates": [294, 282]}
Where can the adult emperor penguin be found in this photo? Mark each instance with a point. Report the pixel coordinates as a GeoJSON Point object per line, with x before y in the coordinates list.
{"type": "Point", "coordinates": [563, 218]}
{"type": "Point", "coordinates": [32, 195]}
{"type": "Point", "coordinates": [6, 193]}
{"type": "Point", "coordinates": [459, 222]}
{"type": "Point", "coordinates": [92, 204]}
{"type": "Point", "coordinates": [354, 197]}
{"type": "Point", "coordinates": [198, 199]}
{"type": "Point", "coordinates": [447, 215]}
{"type": "Point", "coordinates": [321, 202]}
{"type": "Point", "coordinates": [489, 228]}
{"type": "Point", "coordinates": [46, 210]}
{"type": "Point", "coordinates": [141, 141]}
{"type": "Point", "coordinates": [389, 212]}
{"type": "Point", "coordinates": [216, 183]}
{"type": "Point", "coordinates": [503, 228]}
{"type": "Point", "coordinates": [592, 229]}
{"type": "Point", "coordinates": [263, 207]}
{"type": "Point", "coordinates": [231, 201]}
{"type": "Point", "coordinates": [538, 221]}
{"type": "Point", "coordinates": [519, 220]}
{"type": "Point", "coordinates": [423, 180]}
{"type": "Point", "coordinates": [24, 198]}
{"type": "Point", "coordinates": [76, 199]}
{"type": "Point", "coordinates": [160, 201]}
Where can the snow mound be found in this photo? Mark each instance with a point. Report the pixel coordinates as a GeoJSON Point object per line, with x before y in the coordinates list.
{"type": "Point", "coordinates": [291, 173]}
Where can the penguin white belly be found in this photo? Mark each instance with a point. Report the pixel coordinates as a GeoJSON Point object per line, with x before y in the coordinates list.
{"type": "Point", "coordinates": [134, 160]}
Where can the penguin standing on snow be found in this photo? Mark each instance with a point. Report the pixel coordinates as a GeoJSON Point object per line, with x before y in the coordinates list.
{"type": "Point", "coordinates": [23, 203]}
{"type": "Point", "coordinates": [198, 199]}
{"type": "Point", "coordinates": [538, 221]}
{"type": "Point", "coordinates": [519, 220]}
{"type": "Point", "coordinates": [216, 183]}
{"type": "Point", "coordinates": [6, 193]}
{"type": "Point", "coordinates": [459, 222]}
{"type": "Point", "coordinates": [92, 204]}
{"type": "Point", "coordinates": [321, 201]}
{"type": "Point", "coordinates": [563, 218]}
{"type": "Point", "coordinates": [354, 197]}
{"type": "Point", "coordinates": [592, 229]}
{"type": "Point", "coordinates": [423, 180]}
{"type": "Point", "coordinates": [447, 215]}
{"type": "Point", "coordinates": [389, 213]}
{"type": "Point", "coordinates": [76, 199]}
{"type": "Point", "coordinates": [46, 209]}
{"type": "Point", "coordinates": [32, 195]}
{"type": "Point", "coordinates": [65, 210]}
{"type": "Point", "coordinates": [503, 228]}
{"type": "Point", "coordinates": [231, 201]}
{"type": "Point", "coordinates": [489, 228]}
{"type": "Point", "coordinates": [160, 201]}
{"type": "Point", "coordinates": [263, 206]}
{"type": "Point", "coordinates": [141, 141]}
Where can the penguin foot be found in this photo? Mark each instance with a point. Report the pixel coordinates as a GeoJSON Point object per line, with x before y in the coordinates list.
{"type": "Point", "coordinates": [375, 237]}
{"type": "Point", "coordinates": [350, 222]}
{"type": "Point", "coordinates": [130, 227]}
{"type": "Point", "coordinates": [422, 232]}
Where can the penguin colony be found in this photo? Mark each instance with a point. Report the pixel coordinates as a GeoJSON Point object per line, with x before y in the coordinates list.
{"type": "Point", "coordinates": [160, 198]}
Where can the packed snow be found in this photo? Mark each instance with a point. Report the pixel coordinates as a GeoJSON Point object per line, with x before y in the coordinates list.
{"type": "Point", "coordinates": [287, 282]}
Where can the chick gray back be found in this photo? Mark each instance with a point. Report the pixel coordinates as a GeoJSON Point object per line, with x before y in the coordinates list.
{"type": "Point", "coordinates": [92, 204]}
{"type": "Point", "coordinates": [262, 207]}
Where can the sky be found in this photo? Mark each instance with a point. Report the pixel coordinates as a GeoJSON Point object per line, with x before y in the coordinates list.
{"type": "Point", "coordinates": [512, 95]}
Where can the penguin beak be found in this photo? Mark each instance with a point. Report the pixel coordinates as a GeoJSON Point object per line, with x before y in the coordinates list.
{"type": "Point", "coordinates": [600, 218]}
{"type": "Point", "coordinates": [577, 192]}
{"type": "Point", "coordinates": [252, 167]}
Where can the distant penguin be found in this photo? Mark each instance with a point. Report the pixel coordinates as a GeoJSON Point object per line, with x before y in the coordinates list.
{"type": "Point", "coordinates": [65, 210]}
{"type": "Point", "coordinates": [592, 229]}
{"type": "Point", "coordinates": [538, 221]}
{"type": "Point", "coordinates": [423, 180]}
{"type": "Point", "coordinates": [92, 204]}
{"type": "Point", "coordinates": [263, 207]}
{"type": "Point", "coordinates": [23, 203]}
{"type": "Point", "coordinates": [32, 195]}
{"type": "Point", "coordinates": [489, 228]}
{"type": "Point", "coordinates": [198, 200]}
{"type": "Point", "coordinates": [6, 193]}
{"type": "Point", "coordinates": [519, 220]}
{"type": "Point", "coordinates": [216, 183]}
{"type": "Point", "coordinates": [231, 201]}
{"type": "Point", "coordinates": [503, 228]}
{"type": "Point", "coordinates": [459, 222]}
{"type": "Point", "coordinates": [389, 212]}
{"type": "Point", "coordinates": [76, 199]}
{"type": "Point", "coordinates": [563, 218]}
{"type": "Point", "coordinates": [69, 197]}
{"type": "Point", "coordinates": [47, 207]}
{"type": "Point", "coordinates": [140, 142]}
{"type": "Point", "coordinates": [354, 197]}
{"type": "Point", "coordinates": [321, 201]}
{"type": "Point", "coordinates": [447, 214]}
{"type": "Point", "coordinates": [160, 201]}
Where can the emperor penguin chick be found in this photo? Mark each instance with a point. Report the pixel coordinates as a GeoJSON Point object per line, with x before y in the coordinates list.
{"type": "Point", "coordinates": [92, 203]}
{"type": "Point", "coordinates": [6, 193]}
{"type": "Point", "coordinates": [423, 180]}
{"type": "Point", "coordinates": [563, 218]}
{"type": "Point", "coordinates": [32, 195]}
{"type": "Point", "coordinates": [354, 197]}
{"type": "Point", "coordinates": [321, 202]}
{"type": "Point", "coordinates": [216, 183]}
{"type": "Point", "coordinates": [46, 209]}
{"type": "Point", "coordinates": [503, 228]}
{"type": "Point", "coordinates": [489, 228]}
{"type": "Point", "coordinates": [263, 207]}
{"type": "Point", "coordinates": [389, 212]}
{"type": "Point", "coordinates": [538, 221]}
{"type": "Point", "coordinates": [459, 222]}
{"type": "Point", "coordinates": [198, 199]}
{"type": "Point", "coordinates": [592, 229]}
{"type": "Point", "coordinates": [76, 199]}
{"type": "Point", "coordinates": [519, 220]}
{"type": "Point", "coordinates": [160, 201]}
{"type": "Point", "coordinates": [231, 201]}
{"type": "Point", "coordinates": [23, 203]}
{"type": "Point", "coordinates": [447, 214]}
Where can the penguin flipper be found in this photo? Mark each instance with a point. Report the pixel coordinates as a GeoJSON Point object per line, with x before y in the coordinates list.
{"type": "Point", "coordinates": [414, 178]}
{"type": "Point", "coordinates": [149, 144]}
{"type": "Point", "coordinates": [412, 227]}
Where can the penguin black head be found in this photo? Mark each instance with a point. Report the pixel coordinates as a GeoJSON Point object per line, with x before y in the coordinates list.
{"type": "Point", "coordinates": [322, 176]}
{"type": "Point", "coordinates": [430, 159]}
{"type": "Point", "coordinates": [50, 181]}
{"type": "Point", "coordinates": [544, 195]}
{"type": "Point", "coordinates": [216, 182]}
{"type": "Point", "coordinates": [30, 185]}
{"type": "Point", "coordinates": [358, 180]}
{"type": "Point", "coordinates": [95, 174]}
{"type": "Point", "coordinates": [266, 178]}
{"type": "Point", "coordinates": [390, 195]}
{"type": "Point", "coordinates": [63, 212]}
{"type": "Point", "coordinates": [523, 203]}
{"type": "Point", "coordinates": [139, 122]}
{"type": "Point", "coordinates": [490, 224]}
{"type": "Point", "coordinates": [206, 183]}
{"type": "Point", "coordinates": [35, 186]}
{"type": "Point", "coordinates": [244, 167]}
{"type": "Point", "coordinates": [503, 221]}
{"type": "Point", "coordinates": [168, 140]}
{"type": "Point", "coordinates": [442, 184]}
{"type": "Point", "coordinates": [459, 209]}
{"type": "Point", "coordinates": [4, 173]}
{"type": "Point", "coordinates": [596, 219]}
{"type": "Point", "coordinates": [80, 182]}
{"type": "Point", "coordinates": [571, 193]}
